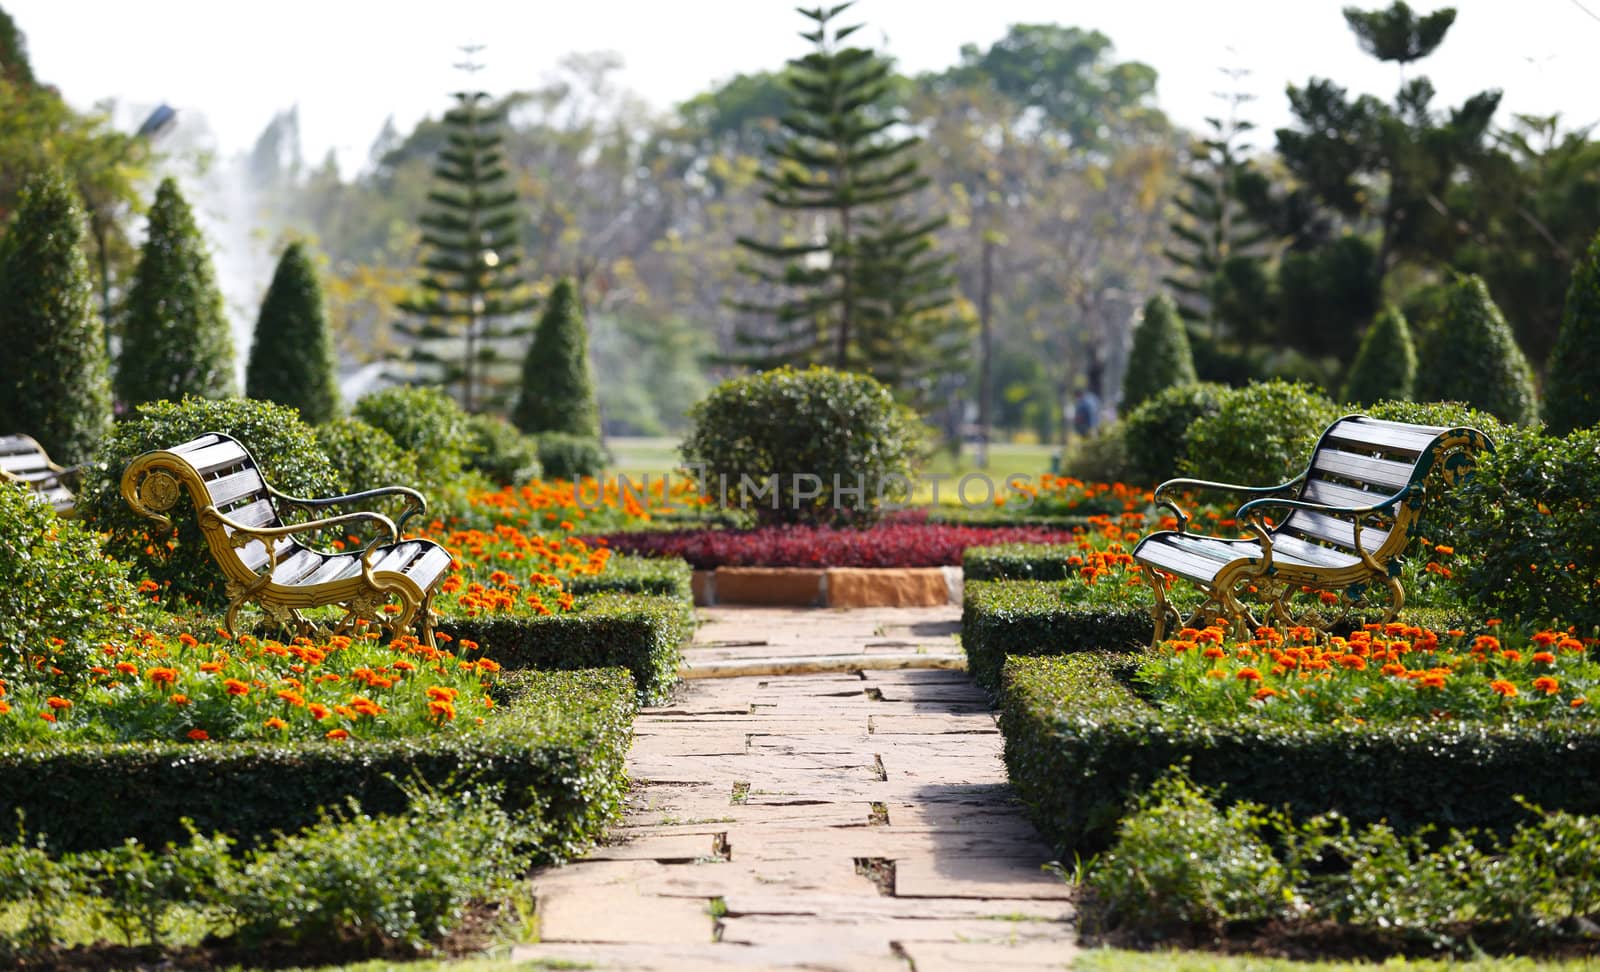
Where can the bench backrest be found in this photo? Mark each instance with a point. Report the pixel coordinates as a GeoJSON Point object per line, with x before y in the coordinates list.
{"type": "Point", "coordinates": [1361, 461]}
{"type": "Point", "coordinates": [219, 473]}
{"type": "Point", "coordinates": [23, 460]}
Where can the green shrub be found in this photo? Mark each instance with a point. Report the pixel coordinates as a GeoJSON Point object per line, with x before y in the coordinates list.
{"type": "Point", "coordinates": [365, 457]}
{"type": "Point", "coordinates": [1470, 355]}
{"type": "Point", "coordinates": [845, 430]}
{"type": "Point", "coordinates": [502, 454]}
{"type": "Point", "coordinates": [285, 447]}
{"type": "Point", "coordinates": [570, 457]}
{"type": "Point", "coordinates": [175, 335]}
{"type": "Point", "coordinates": [138, 887]}
{"type": "Point", "coordinates": [643, 634]}
{"type": "Point", "coordinates": [425, 422]}
{"type": "Point", "coordinates": [55, 380]}
{"type": "Point", "coordinates": [1531, 529]}
{"type": "Point", "coordinates": [1100, 458]}
{"type": "Point", "coordinates": [1179, 861]}
{"type": "Point", "coordinates": [626, 574]}
{"type": "Point", "coordinates": [1261, 435]}
{"type": "Point", "coordinates": [557, 390]}
{"type": "Point", "coordinates": [1003, 618]}
{"type": "Point", "coordinates": [1079, 744]}
{"type": "Point", "coordinates": [382, 881]}
{"type": "Point", "coordinates": [558, 748]}
{"type": "Point", "coordinates": [291, 360]}
{"type": "Point", "coordinates": [1159, 357]}
{"type": "Point", "coordinates": [37, 883]}
{"type": "Point", "coordinates": [56, 585]}
{"type": "Point", "coordinates": [1386, 366]}
{"type": "Point", "coordinates": [1020, 561]}
{"type": "Point", "coordinates": [1572, 378]}
{"type": "Point", "coordinates": [1448, 511]}
{"type": "Point", "coordinates": [1156, 434]}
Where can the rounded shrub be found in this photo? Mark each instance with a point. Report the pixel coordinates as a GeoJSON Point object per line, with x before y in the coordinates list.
{"type": "Point", "coordinates": [291, 359]}
{"type": "Point", "coordinates": [54, 377]}
{"type": "Point", "coordinates": [364, 456]}
{"type": "Point", "coordinates": [1473, 357]}
{"type": "Point", "coordinates": [1160, 356]}
{"type": "Point", "coordinates": [570, 457]}
{"type": "Point", "coordinates": [283, 445]}
{"type": "Point", "coordinates": [425, 422]}
{"type": "Point", "coordinates": [496, 449]}
{"type": "Point", "coordinates": [557, 390]}
{"type": "Point", "coordinates": [818, 430]}
{"type": "Point", "coordinates": [1261, 435]}
{"type": "Point", "coordinates": [1156, 434]}
{"type": "Point", "coordinates": [1572, 381]}
{"type": "Point", "coordinates": [1386, 366]}
{"type": "Point", "coordinates": [60, 595]}
{"type": "Point", "coordinates": [1100, 458]}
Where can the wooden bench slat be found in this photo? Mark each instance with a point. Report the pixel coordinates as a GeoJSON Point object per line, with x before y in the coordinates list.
{"type": "Point", "coordinates": [1333, 494]}
{"type": "Point", "coordinates": [336, 567]}
{"type": "Point", "coordinates": [235, 486]}
{"type": "Point", "coordinates": [397, 557]}
{"type": "Point", "coordinates": [1382, 435]}
{"type": "Point", "coordinates": [23, 462]}
{"type": "Point", "coordinates": [257, 514]}
{"type": "Point", "coordinates": [1384, 473]}
{"type": "Point", "coordinates": [1292, 549]}
{"type": "Point", "coordinates": [1182, 562]}
{"type": "Point", "coordinates": [214, 458]}
{"type": "Point", "coordinates": [292, 569]}
{"type": "Point", "coordinates": [1332, 529]}
{"type": "Point", "coordinates": [199, 442]}
{"type": "Point", "coordinates": [430, 566]}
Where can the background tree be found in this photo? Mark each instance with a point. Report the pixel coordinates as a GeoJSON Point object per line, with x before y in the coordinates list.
{"type": "Point", "coordinates": [1473, 357]}
{"type": "Point", "coordinates": [176, 339]}
{"type": "Point", "coordinates": [868, 280]}
{"type": "Point", "coordinates": [1160, 355]}
{"type": "Point", "coordinates": [1572, 390]}
{"type": "Point", "coordinates": [54, 379]}
{"type": "Point", "coordinates": [472, 291]}
{"type": "Point", "coordinates": [1385, 368]}
{"type": "Point", "coordinates": [291, 359]}
{"type": "Point", "coordinates": [557, 391]}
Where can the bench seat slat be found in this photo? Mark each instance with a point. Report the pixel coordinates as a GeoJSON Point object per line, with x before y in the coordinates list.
{"type": "Point", "coordinates": [1333, 494]}
{"type": "Point", "coordinates": [336, 567]}
{"type": "Point", "coordinates": [235, 486]}
{"type": "Point", "coordinates": [1332, 529]}
{"type": "Point", "coordinates": [1292, 549]}
{"type": "Point", "coordinates": [1184, 563]}
{"type": "Point", "coordinates": [428, 567]}
{"type": "Point", "coordinates": [296, 566]}
{"type": "Point", "coordinates": [397, 557]}
{"type": "Point", "coordinates": [1383, 473]}
{"type": "Point", "coordinates": [24, 462]}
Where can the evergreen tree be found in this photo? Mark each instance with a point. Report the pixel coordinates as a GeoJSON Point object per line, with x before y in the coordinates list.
{"type": "Point", "coordinates": [1386, 366]}
{"type": "Point", "coordinates": [14, 65]}
{"type": "Point", "coordinates": [54, 378]}
{"type": "Point", "coordinates": [1473, 358]}
{"type": "Point", "coordinates": [176, 340]}
{"type": "Point", "coordinates": [868, 293]}
{"type": "Point", "coordinates": [1572, 385]}
{"type": "Point", "coordinates": [291, 359]}
{"type": "Point", "coordinates": [1160, 355]}
{"type": "Point", "coordinates": [557, 390]}
{"type": "Point", "coordinates": [472, 290]}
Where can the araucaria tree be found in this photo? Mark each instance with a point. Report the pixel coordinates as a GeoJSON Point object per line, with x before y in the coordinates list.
{"type": "Point", "coordinates": [469, 312]}
{"type": "Point", "coordinates": [291, 359]}
{"type": "Point", "coordinates": [866, 291]}
{"type": "Point", "coordinates": [1386, 366]}
{"type": "Point", "coordinates": [176, 340]}
{"type": "Point", "coordinates": [557, 390]}
{"type": "Point", "coordinates": [1572, 385]}
{"type": "Point", "coordinates": [54, 381]}
{"type": "Point", "coordinates": [1160, 356]}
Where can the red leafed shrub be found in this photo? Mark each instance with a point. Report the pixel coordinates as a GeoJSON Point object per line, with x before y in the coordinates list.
{"type": "Point", "coordinates": [899, 543]}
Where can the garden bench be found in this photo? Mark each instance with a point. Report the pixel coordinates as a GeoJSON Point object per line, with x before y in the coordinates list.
{"type": "Point", "coordinates": [263, 559]}
{"type": "Point", "coordinates": [23, 460]}
{"type": "Point", "coordinates": [1344, 523]}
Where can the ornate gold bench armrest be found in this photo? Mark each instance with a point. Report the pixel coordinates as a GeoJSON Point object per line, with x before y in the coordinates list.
{"type": "Point", "coordinates": [417, 507]}
{"type": "Point", "coordinates": [1207, 485]}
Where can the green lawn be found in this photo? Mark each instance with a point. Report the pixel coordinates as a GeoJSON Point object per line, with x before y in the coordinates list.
{"type": "Point", "coordinates": [1116, 960]}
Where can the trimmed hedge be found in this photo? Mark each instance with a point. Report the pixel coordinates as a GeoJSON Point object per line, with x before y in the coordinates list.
{"type": "Point", "coordinates": [558, 747]}
{"type": "Point", "coordinates": [1079, 744]}
{"type": "Point", "coordinates": [624, 574]}
{"type": "Point", "coordinates": [636, 632]}
{"type": "Point", "coordinates": [1000, 618]}
{"type": "Point", "coordinates": [1020, 561]}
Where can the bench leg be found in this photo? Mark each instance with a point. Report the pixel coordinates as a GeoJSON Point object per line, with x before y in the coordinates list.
{"type": "Point", "coordinates": [427, 619]}
{"type": "Point", "coordinates": [1163, 613]}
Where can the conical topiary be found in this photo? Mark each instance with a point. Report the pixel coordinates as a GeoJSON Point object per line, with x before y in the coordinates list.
{"type": "Point", "coordinates": [557, 390]}
{"type": "Point", "coordinates": [54, 378]}
{"type": "Point", "coordinates": [1472, 357]}
{"type": "Point", "coordinates": [1385, 368]}
{"type": "Point", "coordinates": [1572, 381]}
{"type": "Point", "coordinates": [176, 340]}
{"type": "Point", "coordinates": [291, 359]}
{"type": "Point", "coordinates": [1160, 356]}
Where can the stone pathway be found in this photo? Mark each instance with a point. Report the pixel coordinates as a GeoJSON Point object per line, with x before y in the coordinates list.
{"type": "Point", "coordinates": [847, 820]}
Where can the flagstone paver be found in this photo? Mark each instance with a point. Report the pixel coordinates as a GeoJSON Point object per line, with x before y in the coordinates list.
{"type": "Point", "coordinates": [846, 818]}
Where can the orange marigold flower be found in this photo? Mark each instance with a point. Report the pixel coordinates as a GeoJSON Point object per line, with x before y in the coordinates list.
{"type": "Point", "coordinates": [1511, 655]}
{"type": "Point", "coordinates": [212, 667]}
{"type": "Point", "coordinates": [4, 707]}
{"type": "Point", "coordinates": [1547, 685]}
{"type": "Point", "coordinates": [1216, 673]}
{"type": "Point", "coordinates": [1432, 680]}
{"type": "Point", "coordinates": [1353, 662]}
{"type": "Point", "coordinates": [1213, 652]}
{"type": "Point", "coordinates": [162, 676]}
{"type": "Point", "coordinates": [58, 703]}
{"type": "Point", "coordinates": [1545, 639]}
{"type": "Point", "coordinates": [1544, 658]}
{"type": "Point", "coordinates": [442, 710]}
{"type": "Point", "coordinates": [318, 711]}
{"type": "Point", "coordinates": [337, 734]}
{"type": "Point", "coordinates": [1486, 643]}
{"type": "Point", "coordinates": [198, 735]}
{"type": "Point", "coordinates": [442, 693]}
{"type": "Point", "coordinates": [127, 668]}
{"type": "Point", "coordinates": [178, 699]}
{"type": "Point", "coordinates": [275, 723]}
{"type": "Point", "coordinates": [235, 687]}
{"type": "Point", "coordinates": [1580, 700]}
{"type": "Point", "coordinates": [1502, 687]}
{"type": "Point", "coordinates": [187, 640]}
{"type": "Point", "coordinates": [48, 716]}
{"type": "Point", "coordinates": [1248, 675]}
{"type": "Point", "coordinates": [1441, 548]}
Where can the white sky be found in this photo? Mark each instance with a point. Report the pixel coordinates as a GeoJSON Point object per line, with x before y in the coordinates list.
{"type": "Point", "coordinates": [348, 64]}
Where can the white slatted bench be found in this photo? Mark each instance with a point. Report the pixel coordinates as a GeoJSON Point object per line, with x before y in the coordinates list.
{"type": "Point", "coordinates": [22, 460]}
{"type": "Point", "coordinates": [1342, 525]}
{"type": "Point", "coordinates": [263, 560]}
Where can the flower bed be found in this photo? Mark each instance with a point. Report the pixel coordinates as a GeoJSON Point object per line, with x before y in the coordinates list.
{"type": "Point", "coordinates": [590, 503]}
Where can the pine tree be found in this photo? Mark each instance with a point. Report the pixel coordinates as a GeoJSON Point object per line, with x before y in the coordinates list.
{"type": "Point", "coordinates": [291, 359]}
{"type": "Point", "coordinates": [557, 390]}
{"type": "Point", "coordinates": [472, 291]}
{"type": "Point", "coordinates": [54, 378]}
{"type": "Point", "coordinates": [14, 65]}
{"type": "Point", "coordinates": [1473, 357]}
{"type": "Point", "coordinates": [1572, 385]}
{"type": "Point", "coordinates": [869, 293]}
{"type": "Point", "coordinates": [1385, 368]}
{"type": "Point", "coordinates": [176, 340]}
{"type": "Point", "coordinates": [1160, 355]}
